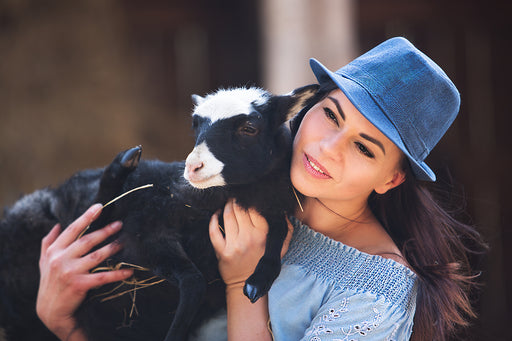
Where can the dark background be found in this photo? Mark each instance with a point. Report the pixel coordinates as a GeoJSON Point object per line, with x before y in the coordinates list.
{"type": "Point", "coordinates": [82, 80]}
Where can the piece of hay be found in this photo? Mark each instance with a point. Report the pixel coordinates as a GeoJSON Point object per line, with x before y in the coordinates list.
{"type": "Point", "coordinates": [136, 284]}
{"type": "Point", "coordinates": [132, 281]}
{"type": "Point", "coordinates": [114, 200]}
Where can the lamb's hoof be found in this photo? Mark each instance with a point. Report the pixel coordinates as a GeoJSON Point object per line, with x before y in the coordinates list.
{"type": "Point", "coordinates": [259, 283]}
{"type": "Point", "coordinates": [131, 157]}
{"type": "Point", "coordinates": [257, 286]}
{"type": "Point", "coordinates": [252, 292]}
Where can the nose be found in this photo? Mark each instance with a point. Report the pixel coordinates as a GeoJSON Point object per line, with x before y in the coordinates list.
{"type": "Point", "coordinates": [193, 167]}
{"type": "Point", "coordinates": [332, 145]}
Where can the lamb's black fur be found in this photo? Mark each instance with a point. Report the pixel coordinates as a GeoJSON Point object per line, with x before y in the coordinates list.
{"type": "Point", "coordinates": [165, 229]}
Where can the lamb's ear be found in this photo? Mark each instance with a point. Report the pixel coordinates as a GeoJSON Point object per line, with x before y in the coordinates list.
{"type": "Point", "coordinates": [284, 107]}
{"type": "Point", "coordinates": [196, 99]}
{"type": "Point", "coordinates": [301, 96]}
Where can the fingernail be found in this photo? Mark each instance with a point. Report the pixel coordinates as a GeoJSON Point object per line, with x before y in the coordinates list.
{"type": "Point", "coordinates": [117, 244]}
{"type": "Point", "coordinates": [127, 272]}
{"type": "Point", "coordinates": [96, 209]}
{"type": "Point", "coordinates": [116, 225]}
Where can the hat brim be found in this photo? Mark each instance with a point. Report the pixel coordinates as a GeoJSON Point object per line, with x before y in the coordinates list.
{"type": "Point", "coordinates": [367, 106]}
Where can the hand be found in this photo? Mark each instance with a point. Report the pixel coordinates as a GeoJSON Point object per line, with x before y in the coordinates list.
{"type": "Point", "coordinates": [238, 252]}
{"type": "Point", "coordinates": [243, 245]}
{"type": "Point", "coordinates": [65, 264]}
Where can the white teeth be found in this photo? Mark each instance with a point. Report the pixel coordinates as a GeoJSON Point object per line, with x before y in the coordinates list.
{"type": "Point", "coordinates": [315, 167]}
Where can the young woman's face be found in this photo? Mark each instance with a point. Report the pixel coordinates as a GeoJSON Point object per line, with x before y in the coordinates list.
{"type": "Point", "coordinates": [339, 155]}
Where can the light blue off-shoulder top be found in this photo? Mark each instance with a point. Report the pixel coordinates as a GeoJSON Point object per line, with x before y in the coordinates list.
{"type": "Point", "coordinates": [330, 291]}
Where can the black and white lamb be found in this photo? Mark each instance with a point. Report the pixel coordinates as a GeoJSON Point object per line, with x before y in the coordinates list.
{"type": "Point", "coordinates": [242, 151]}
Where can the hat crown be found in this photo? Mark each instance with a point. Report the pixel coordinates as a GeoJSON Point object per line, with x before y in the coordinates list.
{"type": "Point", "coordinates": [413, 92]}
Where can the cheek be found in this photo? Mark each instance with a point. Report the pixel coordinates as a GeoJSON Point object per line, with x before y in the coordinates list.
{"type": "Point", "coordinates": [356, 176]}
{"type": "Point", "coordinates": [303, 138]}
{"type": "Point", "coordinates": [295, 170]}
{"type": "Point", "coordinates": [308, 130]}
{"type": "Point", "coordinates": [365, 178]}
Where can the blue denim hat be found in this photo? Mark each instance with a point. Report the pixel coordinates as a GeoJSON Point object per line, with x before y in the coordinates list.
{"type": "Point", "coordinates": [403, 93]}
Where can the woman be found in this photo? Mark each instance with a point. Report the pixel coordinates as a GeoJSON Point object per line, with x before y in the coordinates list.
{"type": "Point", "coordinates": [371, 254]}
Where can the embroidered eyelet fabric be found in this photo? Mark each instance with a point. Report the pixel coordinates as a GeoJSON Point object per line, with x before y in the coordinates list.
{"type": "Point", "coordinates": [330, 291]}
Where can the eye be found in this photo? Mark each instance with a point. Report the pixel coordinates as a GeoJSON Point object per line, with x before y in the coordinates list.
{"type": "Point", "coordinates": [248, 129]}
{"type": "Point", "coordinates": [330, 115]}
{"type": "Point", "coordinates": [365, 151]}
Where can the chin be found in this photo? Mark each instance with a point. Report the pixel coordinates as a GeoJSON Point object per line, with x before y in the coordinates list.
{"type": "Point", "coordinates": [300, 184]}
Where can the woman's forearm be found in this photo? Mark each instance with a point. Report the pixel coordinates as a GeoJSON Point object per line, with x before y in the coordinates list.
{"type": "Point", "coordinates": [75, 335]}
{"type": "Point", "coordinates": [247, 321]}
{"type": "Point", "coordinates": [239, 249]}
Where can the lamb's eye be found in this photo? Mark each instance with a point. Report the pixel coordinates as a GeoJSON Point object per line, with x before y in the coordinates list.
{"type": "Point", "coordinates": [248, 129]}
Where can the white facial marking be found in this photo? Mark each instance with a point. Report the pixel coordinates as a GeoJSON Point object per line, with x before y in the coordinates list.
{"type": "Point", "coordinates": [228, 103]}
{"type": "Point", "coordinates": [210, 174]}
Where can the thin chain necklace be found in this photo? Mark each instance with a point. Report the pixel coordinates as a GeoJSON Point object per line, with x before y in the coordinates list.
{"type": "Point", "coordinates": [350, 221]}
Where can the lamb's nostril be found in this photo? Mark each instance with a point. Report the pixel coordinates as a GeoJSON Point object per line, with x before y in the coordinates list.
{"type": "Point", "coordinates": [197, 167]}
{"type": "Point", "coordinates": [194, 167]}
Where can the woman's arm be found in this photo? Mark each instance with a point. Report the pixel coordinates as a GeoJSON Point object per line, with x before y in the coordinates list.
{"type": "Point", "coordinates": [246, 320]}
{"type": "Point", "coordinates": [65, 278]}
{"type": "Point", "coordinates": [238, 253]}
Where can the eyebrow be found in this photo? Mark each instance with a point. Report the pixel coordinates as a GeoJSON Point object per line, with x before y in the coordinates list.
{"type": "Point", "coordinates": [364, 136]}
{"type": "Point", "coordinates": [375, 141]}
{"type": "Point", "coordinates": [337, 104]}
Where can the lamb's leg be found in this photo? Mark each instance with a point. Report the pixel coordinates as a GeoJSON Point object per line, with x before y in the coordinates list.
{"type": "Point", "coordinates": [269, 266]}
{"type": "Point", "coordinates": [192, 287]}
{"type": "Point", "coordinates": [115, 174]}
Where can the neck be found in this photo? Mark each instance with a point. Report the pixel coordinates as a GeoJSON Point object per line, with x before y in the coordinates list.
{"type": "Point", "coordinates": [334, 220]}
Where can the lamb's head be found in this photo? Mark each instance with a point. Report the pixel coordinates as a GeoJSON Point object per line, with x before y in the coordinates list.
{"type": "Point", "coordinates": [240, 134]}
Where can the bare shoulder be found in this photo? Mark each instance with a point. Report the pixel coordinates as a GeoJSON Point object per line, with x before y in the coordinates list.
{"type": "Point", "coordinates": [378, 242]}
{"type": "Point", "coordinates": [396, 256]}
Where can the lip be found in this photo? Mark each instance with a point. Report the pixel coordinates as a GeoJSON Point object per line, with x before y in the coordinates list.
{"type": "Point", "coordinates": [203, 182]}
{"type": "Point", "coordinates": [197, 178]}
{"type": "Point", "coordinates": [306, 159]}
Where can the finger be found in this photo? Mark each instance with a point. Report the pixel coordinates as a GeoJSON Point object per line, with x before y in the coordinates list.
{"type": "Point", "coordinates": [243, 219]}
{"type": "Point", "coordinates": [230, 222]}
{"type": "Point", "coordinates": [90, 281]}
{"type": "Point", "coordinates": [86, 243]}
{"type": "Point", "coordinates": [93, 259]}
{"type": "Point", "coordinates": [258, 221]}
{"type": "Point", "coordinates": [216, 236]}
{"type": "Point", "coordinates": [71, 233]}
{"type": "Point", "coordinates": [50, 238]}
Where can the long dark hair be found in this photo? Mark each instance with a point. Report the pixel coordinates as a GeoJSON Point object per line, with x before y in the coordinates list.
{"type": "Point", "coordinates": [436, 245]}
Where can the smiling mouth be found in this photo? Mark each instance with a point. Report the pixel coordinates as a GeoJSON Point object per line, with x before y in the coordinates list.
{"type": "Point", "coordinates": [315, 166]}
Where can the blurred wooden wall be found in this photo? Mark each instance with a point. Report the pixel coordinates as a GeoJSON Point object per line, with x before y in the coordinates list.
{"type": "Point", "coordinates": [82, 80]}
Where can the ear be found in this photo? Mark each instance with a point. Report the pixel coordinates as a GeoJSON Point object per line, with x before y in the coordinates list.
{"type": "Point", "coordinates": [301, 96]}
{"type": "Point", "coordinates": [196, 99]}
{"type": "Point", "coordinates": [296, 119]}
{"type": "Point", "coordinates": [284, 107]}
{"type": "Point", "coordinates": [397, 179]}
